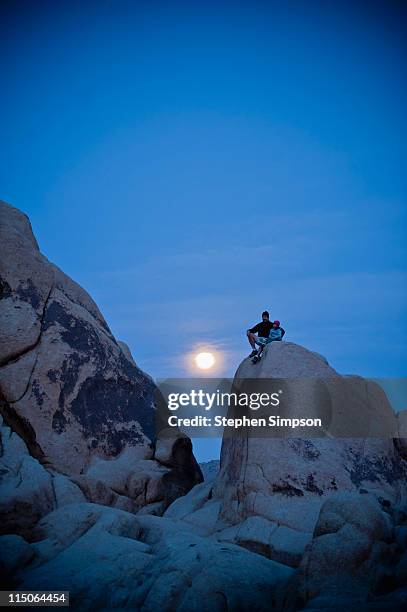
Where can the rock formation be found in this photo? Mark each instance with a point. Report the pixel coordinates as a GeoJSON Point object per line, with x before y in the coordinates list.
{"type": "Point", "coordinates": [328, 506]}
{"type": "Point", "coordinates": [258, 474]}
{"type": "Point", "coordinates": [72, 392]}
{"type": "Point", "coordinates": [285, 524]}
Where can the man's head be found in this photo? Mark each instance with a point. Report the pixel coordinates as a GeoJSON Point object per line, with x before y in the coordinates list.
{"type": "Point", "coordinates": [265, 316]}
{"type": "Point", "coordinates": [276, 324]}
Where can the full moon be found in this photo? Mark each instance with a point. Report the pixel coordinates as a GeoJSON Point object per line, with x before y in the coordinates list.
{"type": "Point", "coordinates": [204, 361]}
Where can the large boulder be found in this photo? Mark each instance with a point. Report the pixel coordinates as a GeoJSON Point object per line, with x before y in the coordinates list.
{"type": "Point", "coordinates": [28, 491]}
{"type": "Point", "coordinates": [70, 390]}
{"type": "Point", "coordinates": [259, 475]}
{"type": "Point", "coordinates": [352, 557]}
{"type": "Point", "coordinates": [269, 491]}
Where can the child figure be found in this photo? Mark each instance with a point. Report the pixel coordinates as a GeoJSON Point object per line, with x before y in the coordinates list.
{"type": "Point", "coordinates": [276, 334]}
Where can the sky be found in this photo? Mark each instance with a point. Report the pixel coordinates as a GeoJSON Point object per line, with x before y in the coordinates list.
{"type": "Point", "coordinates": [192, 164]}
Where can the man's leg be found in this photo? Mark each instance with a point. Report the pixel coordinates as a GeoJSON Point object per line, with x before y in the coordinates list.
{"type": "Point", "coordinates": [257, 354]}
{"type": "Point", "coordinates": [261, 345]}
{"type": "Point", "coordinates": [252, 339]}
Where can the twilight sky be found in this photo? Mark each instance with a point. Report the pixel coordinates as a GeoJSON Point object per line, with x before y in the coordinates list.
{"type": "Point", "coordinates": [191, 164]}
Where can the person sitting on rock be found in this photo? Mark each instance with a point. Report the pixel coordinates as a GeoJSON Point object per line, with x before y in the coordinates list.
{"type": "Point", "coordinates": [266, 332]}
{"type": "Point", "coordinates": [276, 334]}
{"type": "Point", "coordinates": [261, 329]}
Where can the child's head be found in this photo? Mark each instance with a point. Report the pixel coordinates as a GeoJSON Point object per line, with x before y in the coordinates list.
{"type": "Point", "coordinates": [276, 324]}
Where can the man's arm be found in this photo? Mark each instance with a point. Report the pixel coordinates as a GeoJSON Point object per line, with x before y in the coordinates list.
{"type": "Point", "coordinates": [254, 329]}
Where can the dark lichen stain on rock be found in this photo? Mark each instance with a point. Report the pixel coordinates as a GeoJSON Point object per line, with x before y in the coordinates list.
{"type": "Point", "coordinates": [333, 486]}
{"type": "Point", "coordinates": [311, 486]}
{"type": "Point", "coordinates": [78, 333]}
{"type": "Point", "coordinates": [38, 394]}
{"type": "Point", "coordinates": [53, 375]}
{"type": "Point", "coordinates": [59, 421]}
{"type": "Point", "coordinates": [111, 405]}
{"type": "Point", "coordinates": [69, 376]}
{"type": "Point", "coordinates": [101, 402]}
{"type": "Point", "coordinates": [28, 292]}
{"type": "Point", "coordinates": [286, 488]}
{"type": "Point", "coordinates": [5, 289]}
{"type": "Point", "coordinates": [305, 448]}
{"type": "Point", "coordinates": [373, 469]}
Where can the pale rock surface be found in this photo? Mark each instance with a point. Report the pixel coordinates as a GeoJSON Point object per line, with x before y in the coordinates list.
{"type": "Point", "coordinates": [195, 573]}
{"type": "Point", "coordinates": [108, 558]}
{"type": "Point", "coordinates": [259, 476]}
{"type": "Point", "coordinates": [26, 487]}
{"type": "Point", "coordinates": [71, 391]}
{"type": "Point", "coordinates": [271, 490]}
{"type": "Point", "coordinates": [90, 551]}
{"type": "Point", "coordinates": [352, 544]}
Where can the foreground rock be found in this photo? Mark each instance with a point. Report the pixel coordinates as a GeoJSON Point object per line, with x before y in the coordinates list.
{"type": "Point", "coordinates": [353, 557]}
{"type": "Point", "coordinates": [27, 490]}
{"type": "Point", "coordinates": [72, 392]}
{"type": "Point", "coordinates": [321, 505]}
{"type": "Point", "coordinates": [107, 557]}
{"type": "Point", "coordinates": [145, 563]}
